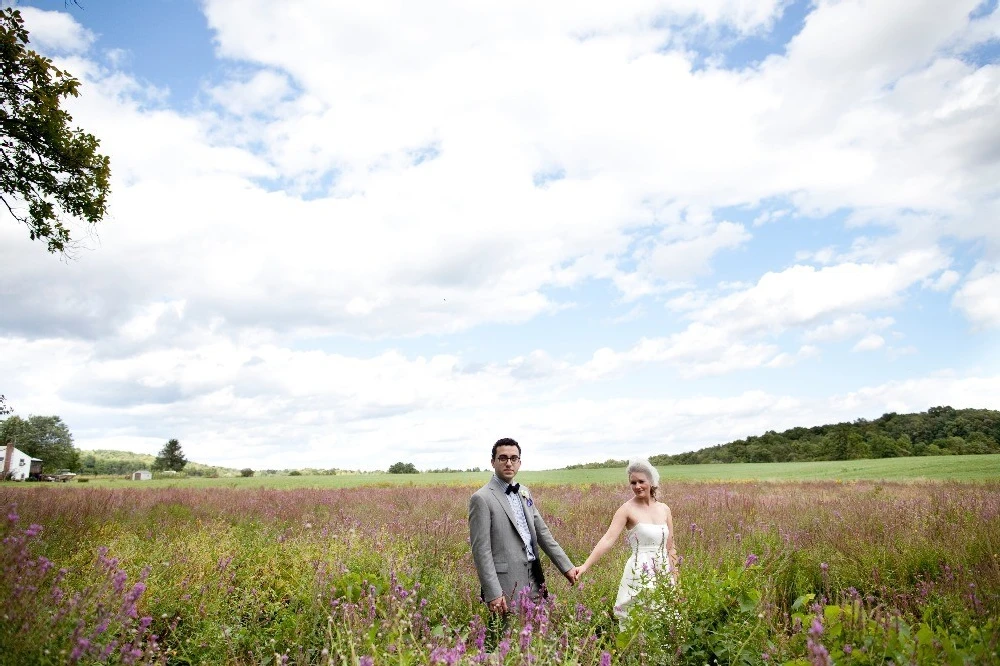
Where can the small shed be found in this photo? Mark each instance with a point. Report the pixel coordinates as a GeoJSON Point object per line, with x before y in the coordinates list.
{"type": "Point", "coordinates": [142, 475]}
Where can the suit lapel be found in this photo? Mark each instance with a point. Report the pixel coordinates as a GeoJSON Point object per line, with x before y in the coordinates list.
{"type": "Point", "coordinates": [501, 497]}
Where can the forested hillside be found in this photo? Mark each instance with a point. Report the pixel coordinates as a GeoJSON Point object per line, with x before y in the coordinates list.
{"type": "Point", "coordinates": [105, 461]}
{"type": "Point", "coordinates": [938, 431]}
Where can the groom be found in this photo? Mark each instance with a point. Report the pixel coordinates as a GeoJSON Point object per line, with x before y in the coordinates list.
{"type": "Point", "coordinates": [507, 532]}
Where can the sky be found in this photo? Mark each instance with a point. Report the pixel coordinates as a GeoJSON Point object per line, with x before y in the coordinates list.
{"type": "Point", "coordinates": [346, 234]}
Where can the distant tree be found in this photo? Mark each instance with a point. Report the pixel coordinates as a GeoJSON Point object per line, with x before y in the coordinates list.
{"type": "Point", "coordinates": [52, 441]}
{"type": "Point", "coordinates": [48, 168]}
{"type": "Point", "coordinates": [403, 468]}
{"type": "Point", "coordinates": [43, 437]}
{"type": "Point", "coordinates": [4, 407]}
{"type": "Point", "coordinates": [170, 458]}
{"type": "Point", "coordinates": [883, 446]}
{"type": "Point", "coordinates": [246, 472]}
{"type": "Point", "coordinates": [14, 430]}
{"type": "Point", "coordinates": [295, 472]}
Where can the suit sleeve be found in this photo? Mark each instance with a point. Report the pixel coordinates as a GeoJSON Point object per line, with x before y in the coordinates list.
{"type": "Point", "coordinates": [482, 553]}
{"type": "Point", "coordinates": [549, 544]}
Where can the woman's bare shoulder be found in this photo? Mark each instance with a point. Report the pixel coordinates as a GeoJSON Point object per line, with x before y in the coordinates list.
{"type": "Point", "coordinates": [627, 507]}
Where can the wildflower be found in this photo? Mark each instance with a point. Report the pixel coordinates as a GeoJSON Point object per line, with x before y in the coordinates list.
{"type": "Point", "coordinates": [818, 654]}
{"type": "Point", "coordinates": [605, 658]}
{"type": "Point", "coordinates": [526, 636]}
{"type": "Point", "coordinates": [79, 649]}
{"type": "Point", "coordinates": [366, 661]}
{"type": "Point", "coordinates": [503, 648]}
{"type": "Point", "coordinates": [750, 561]}
{"type": "Point", "coordinates": [118, 581]}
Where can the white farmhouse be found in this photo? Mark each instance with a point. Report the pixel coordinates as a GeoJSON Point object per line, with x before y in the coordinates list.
{"type": "Point", "coordinates": [142, 475]}
{"type": "Point", "coordinates": [18, 465]}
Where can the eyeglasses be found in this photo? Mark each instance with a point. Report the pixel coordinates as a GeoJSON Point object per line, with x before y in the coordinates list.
{"type": "Point", "coordinates": [514, 459]}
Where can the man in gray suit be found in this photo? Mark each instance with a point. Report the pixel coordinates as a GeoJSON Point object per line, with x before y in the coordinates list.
{"type": "Point", "coordinates": [507, 532]}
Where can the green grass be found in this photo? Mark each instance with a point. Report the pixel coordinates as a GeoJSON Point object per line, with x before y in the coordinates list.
{"type": "Point", "coordinates": [939, 468]}
{"type": "Point", "coordinates": [235, 576]}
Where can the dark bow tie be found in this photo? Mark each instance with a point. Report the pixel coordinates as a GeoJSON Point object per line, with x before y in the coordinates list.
{"type": "Point", "coordinates": [513, 488]}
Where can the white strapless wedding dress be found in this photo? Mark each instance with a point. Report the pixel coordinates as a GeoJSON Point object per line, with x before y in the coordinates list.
{"type": "Point", "coordinates": [648, 560]}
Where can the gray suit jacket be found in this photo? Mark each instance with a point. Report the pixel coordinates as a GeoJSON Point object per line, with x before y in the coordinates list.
{"type": "Point", "coordinates": [497, 548]}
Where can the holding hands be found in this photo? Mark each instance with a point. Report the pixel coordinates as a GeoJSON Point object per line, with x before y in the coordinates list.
{"type": "Point", "coordinates": [498, 605]}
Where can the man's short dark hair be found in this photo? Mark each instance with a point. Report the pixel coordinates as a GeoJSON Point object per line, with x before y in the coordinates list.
{"type": "Point", "coordinates": [506, 441]}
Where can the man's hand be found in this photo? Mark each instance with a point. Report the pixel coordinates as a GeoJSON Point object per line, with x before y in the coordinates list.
{"type": "Point", "coordinates": [573, 575]}
{"type": "Point", "coordinates": [498, 605]}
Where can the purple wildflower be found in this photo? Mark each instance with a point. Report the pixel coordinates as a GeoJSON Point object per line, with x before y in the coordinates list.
{"type": "Point", "coordinates": [80, 649]}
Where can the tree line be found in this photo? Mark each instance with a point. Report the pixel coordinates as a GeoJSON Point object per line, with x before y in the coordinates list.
{"type": "Point", "coordinates": [938, 431]}
{"type": "Point", "coordinates": [49, 439]}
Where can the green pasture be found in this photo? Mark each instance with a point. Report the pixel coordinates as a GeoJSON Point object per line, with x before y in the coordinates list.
{"type": "Point", "coordinates": [937, 468]}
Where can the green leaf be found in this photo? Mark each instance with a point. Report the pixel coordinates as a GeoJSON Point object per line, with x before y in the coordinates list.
{"type": "Point", "coordinates": [799, 603]}
{"type": "Point", "coordinates": [749, 600]}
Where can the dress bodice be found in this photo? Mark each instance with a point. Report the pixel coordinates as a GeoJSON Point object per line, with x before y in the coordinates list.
{"type": "Point", "coordinates": [647, 537]}
{"type": "Point", "coordinates": [647, 562]}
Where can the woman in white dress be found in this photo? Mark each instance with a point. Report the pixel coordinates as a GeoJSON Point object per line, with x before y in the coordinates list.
{"type": "Point", "coordinates": [649, 530]}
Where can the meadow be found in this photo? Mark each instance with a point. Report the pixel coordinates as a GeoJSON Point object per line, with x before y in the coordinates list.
{"type": "Point", "coordinates": [941, 468]}
{"type": "Point", "coordinates": [859, 572]}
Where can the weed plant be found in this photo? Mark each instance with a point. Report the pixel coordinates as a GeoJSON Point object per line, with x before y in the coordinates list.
{"type": "Point", "coordinates": [801, 573]}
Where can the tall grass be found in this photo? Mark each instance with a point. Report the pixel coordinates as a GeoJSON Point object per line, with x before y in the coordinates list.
{"type": "Point", "coordinates": [770, 572]}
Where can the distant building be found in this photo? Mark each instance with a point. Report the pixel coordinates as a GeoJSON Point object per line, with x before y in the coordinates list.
{"type": "Point", "coordinates": [142, 475]}
{"type": "Point", "coordinates": [18, 465]}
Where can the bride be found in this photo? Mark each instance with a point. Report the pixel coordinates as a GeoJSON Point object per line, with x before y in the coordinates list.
{"type": "Point", "coordinates": [649, 530]}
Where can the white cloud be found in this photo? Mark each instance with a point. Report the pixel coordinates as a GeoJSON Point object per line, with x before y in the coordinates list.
{"type": "Point", "coordinates": [845, 327]}
{"type": "Point", "coordinates": [803, 295]}
{"type": "Point", "coordinates": [382, 177]}
{"type": "Point", "coordinates": [432, 183]}
{"type": "Point", "coordinates": [687, 257]}
{"type": "Point", "coordinates": [979, 300]}
{"type": "Point", "coordinates": [262, 92]}
{"type": "Point", "coordinates": [55, 31]}
{"type": "Point", "coordinates": [944, 282]}
{"type": "Point", "coordinates": [261, 405]}
{"type": "Point", "coordinates": [728, 333]}
{"type": "Point", "coordinates": [870, 342]}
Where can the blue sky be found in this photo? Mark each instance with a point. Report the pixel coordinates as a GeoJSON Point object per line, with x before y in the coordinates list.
{"type": "Point", "coordinates": [346, 234]}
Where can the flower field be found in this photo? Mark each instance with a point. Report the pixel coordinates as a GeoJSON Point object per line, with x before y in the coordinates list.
{"type": "Point", "coordinates": [817, 572]}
